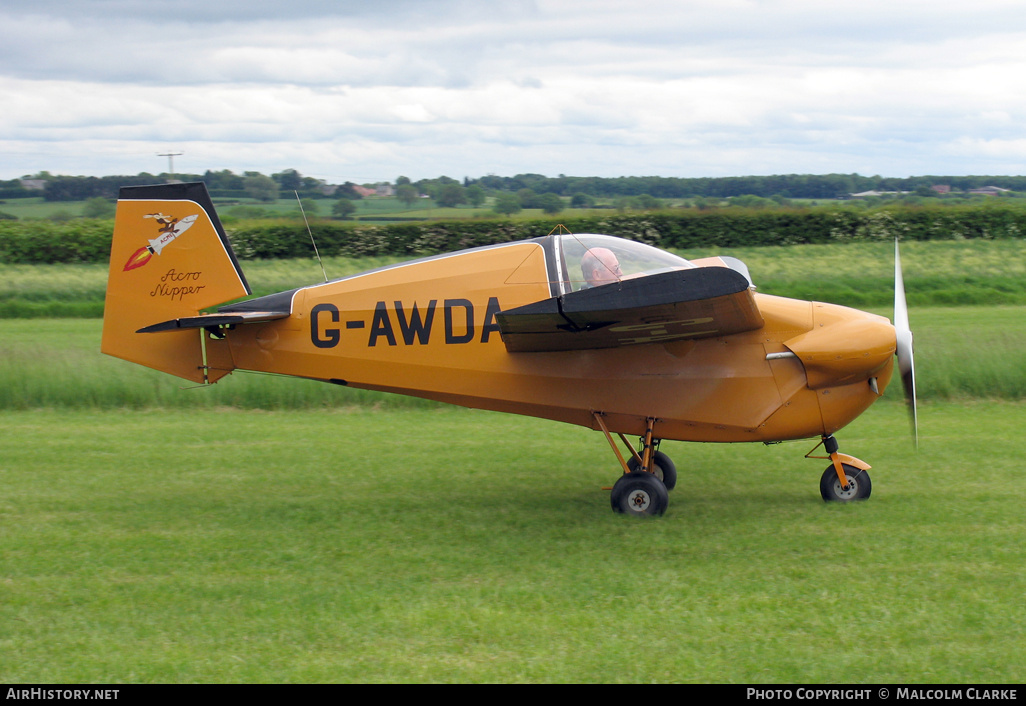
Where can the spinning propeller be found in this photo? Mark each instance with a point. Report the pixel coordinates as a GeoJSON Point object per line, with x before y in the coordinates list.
{"type": "Point", "coordinates": [904, 344]}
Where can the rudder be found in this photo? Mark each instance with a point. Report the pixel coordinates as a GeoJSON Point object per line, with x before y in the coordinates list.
{"type": "Point", "coordinates": [170, 258]}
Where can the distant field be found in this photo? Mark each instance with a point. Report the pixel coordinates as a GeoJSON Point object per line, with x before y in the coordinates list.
{"type": "Point", "coordinates": [40, 208]}
{"type": "Point", "coordinates": [368, 207]}
{"type": "Point", "coordinates": [461, 546]}
{"type": "Point", "coordinates": [375, 208]}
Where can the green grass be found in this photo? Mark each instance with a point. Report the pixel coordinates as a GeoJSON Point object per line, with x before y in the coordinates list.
{"type": "Point", "coordinates": [57, 363]}
{"type": "Point", "coordinates": [438, 546]}
{"type": "Point", "coordinates": [38, 207]}
{"type": "Point", "coordinates": [970, 352]}
{"type": "Point", "coordinates": [78, 290]}
{"type": "Point", "coordinates": [961, 353]}
{"type": "Point", "coordinates": [275, 530]}
{"type": "Point", "coordinates": [937, 273]}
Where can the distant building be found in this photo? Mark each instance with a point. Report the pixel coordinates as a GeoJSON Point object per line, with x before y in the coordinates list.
{"type": "Point", "coordinates": [33, 184]}
{"type": "Point", "coordinates": [380, 189]}
{"type": "Point", "coordinates": [990, 191]}
{"type": "Point", "coordinates": [941, 188]}
{"type": "Point", "coordinates": [868, 194]}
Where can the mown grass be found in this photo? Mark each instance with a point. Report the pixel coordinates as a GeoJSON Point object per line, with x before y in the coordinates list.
{"type": "Point", "coordinates": [278, 530]}
{"type": "Point", "coordinates": [438, 546]}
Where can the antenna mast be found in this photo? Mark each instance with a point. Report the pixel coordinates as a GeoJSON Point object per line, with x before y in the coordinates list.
{"type": "Point", "coordinates": [318, 254]}
{"type": "Point", "coordinates": [170, 162]}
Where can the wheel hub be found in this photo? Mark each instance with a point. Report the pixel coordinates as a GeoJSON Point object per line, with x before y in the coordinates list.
{"type": "Point", "coordinates": [849, 492]}
{"type": "Point", "coordinates": [639, 500]}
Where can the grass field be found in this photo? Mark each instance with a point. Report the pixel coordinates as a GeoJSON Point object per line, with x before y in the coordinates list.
{"type": "Point", "coordinates": [312, 547]}
{"type": "Point", "coordinates": [268, 530]}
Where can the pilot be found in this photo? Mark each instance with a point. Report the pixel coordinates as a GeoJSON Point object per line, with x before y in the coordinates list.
{"type": "Point", "coordinates": [600, 266]}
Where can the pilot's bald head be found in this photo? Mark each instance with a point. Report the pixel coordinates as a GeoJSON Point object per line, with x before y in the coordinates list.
{"type": "Point", "coordinates": [600, 266]}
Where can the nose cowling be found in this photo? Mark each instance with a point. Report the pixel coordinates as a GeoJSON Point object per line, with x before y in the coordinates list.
{"type": "Point", "coordinates": [844, 346]}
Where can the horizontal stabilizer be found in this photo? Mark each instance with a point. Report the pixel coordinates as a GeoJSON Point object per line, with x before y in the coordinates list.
{"type": "Point", "coordinates": [207, 320]}
{"type": "Point", "coordinates": [668, 306]}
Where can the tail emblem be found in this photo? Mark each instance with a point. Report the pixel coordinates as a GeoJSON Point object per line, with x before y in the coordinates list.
{"type": "Point", "coordinates": [170, 228]}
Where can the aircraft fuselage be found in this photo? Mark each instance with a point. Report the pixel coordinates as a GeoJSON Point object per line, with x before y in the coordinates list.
{"type": "Point", "coordinates": [428, 329]}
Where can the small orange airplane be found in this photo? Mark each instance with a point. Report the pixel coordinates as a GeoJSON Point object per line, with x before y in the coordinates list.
{"type": "Point", "coordinates": [592, 330]}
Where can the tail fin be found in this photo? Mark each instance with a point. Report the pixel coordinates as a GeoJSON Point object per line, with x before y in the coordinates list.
{"type": "Point", "coordinates": [169, 258]}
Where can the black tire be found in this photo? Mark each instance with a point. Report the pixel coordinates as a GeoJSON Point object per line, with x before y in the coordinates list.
{"type": "Point", "coordinates": [639, 494]}
{"type": "Point", "coordinates": [663, 469]}
{"type": "Point", "coordinates": [859, 485]}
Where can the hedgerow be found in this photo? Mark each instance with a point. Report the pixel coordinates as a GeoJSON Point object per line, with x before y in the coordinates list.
{"type": "Point", "coordinates": [38, 242]}
{"type": "Point", "coordinates": [89, 240]}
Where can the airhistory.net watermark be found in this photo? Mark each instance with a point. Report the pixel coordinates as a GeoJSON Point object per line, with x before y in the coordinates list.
{"type": "Point", "coordinates": [49, 694]}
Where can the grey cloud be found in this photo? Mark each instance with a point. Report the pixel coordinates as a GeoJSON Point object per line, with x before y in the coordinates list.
{"type": "Point", "coordinates": [703, 87]}
{"type": "Point", "coordinates": [243, 11]}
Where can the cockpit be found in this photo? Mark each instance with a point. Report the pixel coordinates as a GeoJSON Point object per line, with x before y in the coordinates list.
{"type": "Point", "coordinates": [587, 260]}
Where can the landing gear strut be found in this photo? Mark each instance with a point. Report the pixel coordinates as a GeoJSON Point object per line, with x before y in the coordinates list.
{"type": "Point", "coordinates": [662, 467]}
{"type": "Point", "coordinates": [648, 475]}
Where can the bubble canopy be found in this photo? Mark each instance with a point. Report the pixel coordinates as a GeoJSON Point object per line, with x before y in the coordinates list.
{"type": "Point", "coordinates": [590, 260]}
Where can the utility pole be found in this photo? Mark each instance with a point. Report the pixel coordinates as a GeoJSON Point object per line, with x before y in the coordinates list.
{"type": "Point", "coordinates": [171, 162]}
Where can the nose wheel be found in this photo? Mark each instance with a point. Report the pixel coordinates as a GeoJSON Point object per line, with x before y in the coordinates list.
{"type": "Point", "coordinates": [859, 486]}
{"type": "Point", "coordinates": [846, 479]}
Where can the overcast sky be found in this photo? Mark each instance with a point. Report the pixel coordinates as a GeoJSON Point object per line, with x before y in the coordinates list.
{"type": "Point", "coordinates": [371, 90]}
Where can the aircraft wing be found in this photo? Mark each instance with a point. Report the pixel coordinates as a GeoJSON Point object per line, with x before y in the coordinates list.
{"type": "Point", "coordinates": [704, 302]}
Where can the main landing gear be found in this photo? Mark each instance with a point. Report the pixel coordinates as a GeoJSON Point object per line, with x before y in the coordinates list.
{"type": "Point", "coordinates": [639, 493]}
{"type": "Point", "coordinates": [648, 476]}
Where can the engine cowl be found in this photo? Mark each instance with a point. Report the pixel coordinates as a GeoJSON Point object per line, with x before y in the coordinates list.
{"type": "Point", "coordinates": [844, 346]}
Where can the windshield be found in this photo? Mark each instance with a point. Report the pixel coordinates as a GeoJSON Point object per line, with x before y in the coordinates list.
{"type": "Point", "coordinates": [593, 260]}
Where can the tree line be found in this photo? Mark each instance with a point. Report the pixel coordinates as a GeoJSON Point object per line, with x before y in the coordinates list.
{"type": "Point", "coordinates": [227, 184]}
